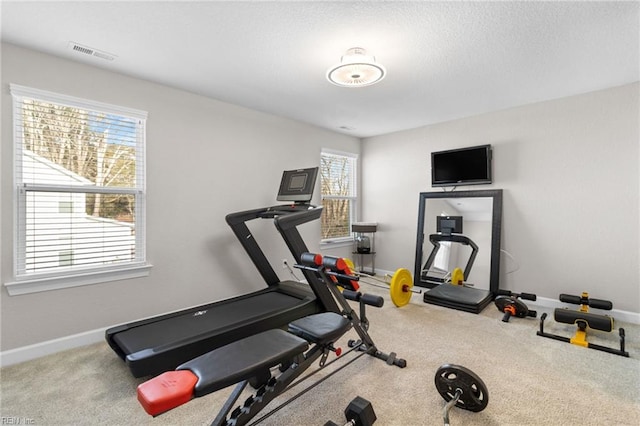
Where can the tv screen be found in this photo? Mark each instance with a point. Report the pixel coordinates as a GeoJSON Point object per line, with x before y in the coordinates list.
{"type": "Point", "coordinates": [297, 185]}
{"type": "Point", "coordinates": [464, 166]}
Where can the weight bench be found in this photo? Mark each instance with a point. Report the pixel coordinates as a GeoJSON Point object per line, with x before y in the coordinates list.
{"type": "Point", "coordinates": [584, 319]}
{"type": "Point", "coordinates": [246, 361]}
{"type": "Point", "coordinates": [250, 360]}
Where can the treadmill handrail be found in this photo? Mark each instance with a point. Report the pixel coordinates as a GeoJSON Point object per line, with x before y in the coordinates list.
{"type": "Point", "coordinates": [456, 238]}
{"type": "Point", "coordinates": [237, 221]}
{"type": "Point", "coordinates": [291, 220]}
{"type": "Point", "coordinates": [287, 226]}
{"type": "Point", "coordinates": [435, 239]}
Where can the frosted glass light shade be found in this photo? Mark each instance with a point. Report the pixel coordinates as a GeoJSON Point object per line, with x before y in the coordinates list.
{"type": "Point", "coordinates": [356, 69]}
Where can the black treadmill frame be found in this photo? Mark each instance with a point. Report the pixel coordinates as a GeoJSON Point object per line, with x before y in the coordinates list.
{"type": "Point", "coordinates": [435, 239]}
{"type": "Point", "coordinates": [459, 297]}
{"type": "Point", "coordinates": [314, 298]}
{"type": "Point", "coordinates": [496, 227]}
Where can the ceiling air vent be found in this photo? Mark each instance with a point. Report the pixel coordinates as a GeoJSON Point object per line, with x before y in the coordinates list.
{"type": "Point", "coordinates": [91, 52]}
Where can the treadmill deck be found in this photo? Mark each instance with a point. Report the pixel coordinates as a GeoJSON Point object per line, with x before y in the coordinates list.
{"type": "Point", "coordinates": [160, 344]}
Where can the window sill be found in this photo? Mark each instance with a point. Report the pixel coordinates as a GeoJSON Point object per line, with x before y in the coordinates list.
{"type": "Point", "coordinates": [336, 243]}
{"type": "Point", "coordinates": [39, 284]}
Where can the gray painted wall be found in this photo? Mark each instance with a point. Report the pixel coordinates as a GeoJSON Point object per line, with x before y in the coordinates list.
{"type": "Point", "coordinates": [205, 159]}
{"type": "Point", "coordinates": [569, 171]}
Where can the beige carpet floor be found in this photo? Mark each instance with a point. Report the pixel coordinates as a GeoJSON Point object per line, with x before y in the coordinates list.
{"type": "Point", "coordinates": [531, 380]}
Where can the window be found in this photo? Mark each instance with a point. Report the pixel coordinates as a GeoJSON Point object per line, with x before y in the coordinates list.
{"type": "Point", "coordinates": [80, 187]}
{"type": "Point", "coordinates": [441, 261]}
{"type": "Point", "coordinates": [339, 194]}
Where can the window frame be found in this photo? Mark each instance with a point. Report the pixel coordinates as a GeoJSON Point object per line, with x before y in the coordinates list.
{"type": "Point", "coordinates": [25, 282]}
{"type": "Point", "coordinates": [354, 199]}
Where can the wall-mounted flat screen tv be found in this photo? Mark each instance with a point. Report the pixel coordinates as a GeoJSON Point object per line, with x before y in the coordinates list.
{"type": "Point", "coordinates": [463, 166]}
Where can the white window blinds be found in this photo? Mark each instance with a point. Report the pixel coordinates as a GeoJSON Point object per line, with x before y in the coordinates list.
{"type": "Point", "coordinates": [339, 195]}
{"type": "Point", "coordinates": [80, 184]}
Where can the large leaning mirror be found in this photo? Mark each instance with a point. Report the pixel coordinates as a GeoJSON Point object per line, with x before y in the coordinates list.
{"type": "Point", "coordinates": [458, 238]}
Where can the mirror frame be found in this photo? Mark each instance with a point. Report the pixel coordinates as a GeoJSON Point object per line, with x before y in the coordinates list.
{"type": "Point", "coordinates": [496, 227]}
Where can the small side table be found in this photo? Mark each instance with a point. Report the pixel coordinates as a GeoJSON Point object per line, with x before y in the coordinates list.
{"type": "Point", "coordinates": [364, 244]}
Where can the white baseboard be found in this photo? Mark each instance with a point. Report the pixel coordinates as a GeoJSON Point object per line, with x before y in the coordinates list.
{"type": "Point", "coordinates": [26, 353]}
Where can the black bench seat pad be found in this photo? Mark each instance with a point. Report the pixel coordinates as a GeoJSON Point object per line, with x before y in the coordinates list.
{"type": "Point", "coordinates": [323, 328]}
{"type": "Point", "coordinates": [243, 359]}
{"type": "Point", "coordinates": [594, 321]}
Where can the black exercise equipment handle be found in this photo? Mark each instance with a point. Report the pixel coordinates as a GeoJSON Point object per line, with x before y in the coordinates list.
{"type": "Point", "coordinates": [593, 303]}
{"type": "Point", "coordinates": [526, 296]}
{"type": "Point", "coordinates": [601, 304]}
{"type": "Point", "coordinates": [542, 318]}
{"type": "Point", "coordinates": [367, 299]}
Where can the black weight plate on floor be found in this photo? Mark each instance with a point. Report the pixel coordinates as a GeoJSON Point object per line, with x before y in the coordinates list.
{"type": "Point", "coordinates": [504, 301]}
{"type": "Point", "coordinates": [475, 395]}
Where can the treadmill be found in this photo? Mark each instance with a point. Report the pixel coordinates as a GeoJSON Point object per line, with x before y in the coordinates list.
{"type": "Point", "coordinates": [155, 345]}
{"type": "Point", "coordinates": [436, 239]}
{"type": "Point", "coordinates": [458, 297]}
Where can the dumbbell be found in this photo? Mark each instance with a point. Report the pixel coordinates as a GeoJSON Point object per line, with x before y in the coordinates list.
{"type": "Point", "coordinates": [359, 412]}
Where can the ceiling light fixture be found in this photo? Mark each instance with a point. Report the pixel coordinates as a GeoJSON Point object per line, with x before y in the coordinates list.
{"type": "Point", "coordinates": [356, 69]}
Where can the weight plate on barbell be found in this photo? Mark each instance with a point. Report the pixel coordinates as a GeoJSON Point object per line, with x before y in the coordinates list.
{"type": "Point", "coordinates": [350, 264]}
{"type": "Point", "coordinates": [449, 378]}
{"type": "Point", "coordinates": [401, 295]}
{"type": "Point", "coordinates": [457, 277]}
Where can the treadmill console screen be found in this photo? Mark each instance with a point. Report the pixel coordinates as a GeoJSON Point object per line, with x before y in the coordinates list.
{"type": "Point", "coordinates": [297, 185]}
{"type": "Point", "coordinates": [449, 224]}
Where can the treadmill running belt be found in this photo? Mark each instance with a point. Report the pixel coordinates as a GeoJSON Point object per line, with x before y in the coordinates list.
{"type": "Point", "coordinates": [207, 319]}
{"type": "Point", "coordinates": [458, 297]}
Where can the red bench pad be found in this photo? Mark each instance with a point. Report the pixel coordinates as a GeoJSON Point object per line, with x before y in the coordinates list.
{"type": "Point", "coordinates": [167, 391]}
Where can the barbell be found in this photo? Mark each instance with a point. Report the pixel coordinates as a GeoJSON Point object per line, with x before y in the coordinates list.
{"type": "Point", "coordinates": [400, 286]}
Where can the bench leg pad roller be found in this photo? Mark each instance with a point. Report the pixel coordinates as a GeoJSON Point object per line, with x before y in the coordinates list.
{"type": "Point", "coordinates": [167, 391]}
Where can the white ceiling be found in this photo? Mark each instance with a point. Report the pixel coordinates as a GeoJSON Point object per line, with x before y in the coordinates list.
{"type": "Point", "coordinates": [444, 60]}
